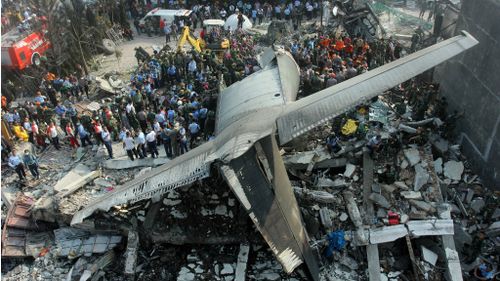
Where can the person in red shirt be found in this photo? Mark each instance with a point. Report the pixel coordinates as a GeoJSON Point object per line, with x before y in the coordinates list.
{"type": "Point", "coordinates": [162, 25]}
{"type": "Point", "coordinates": [73, 142]}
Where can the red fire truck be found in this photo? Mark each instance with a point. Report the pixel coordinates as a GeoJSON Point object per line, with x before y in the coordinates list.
{"type": "Point", "coordinates": [22, 48]}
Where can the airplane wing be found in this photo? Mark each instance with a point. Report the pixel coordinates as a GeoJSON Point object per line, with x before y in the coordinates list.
{"type": "Point", "coordinates": [183, 170]}
{"type": "Point", "coordinates": [307, 113]}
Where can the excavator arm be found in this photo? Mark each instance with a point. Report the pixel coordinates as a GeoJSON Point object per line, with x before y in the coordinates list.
{"type": "Point", "coordinates": [186, 36]}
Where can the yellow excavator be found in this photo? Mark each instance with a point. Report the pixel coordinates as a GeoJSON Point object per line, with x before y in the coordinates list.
{"type": "Point", "coordinates": [198, 43]}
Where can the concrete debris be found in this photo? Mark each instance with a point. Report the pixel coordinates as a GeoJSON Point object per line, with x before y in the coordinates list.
{"type": "Point", "coordinates": [477, 205]}
{"type": "Point", "coordinates": [422, 205]}
{"type": "Point", "coordinates": [412, 155]}
{"type": "Point", "coordinates": [387, 234]}
{"type": "Point", "coordinates": [401, 185]}
{"type": "Point", "coordinates": [380, 200]}
{"type": "Point", "coordinates": [435, 227]}
{"type": "Point", "coordinates": [453, 170]}
{"type": "Point", "coordinates": [349, 170]}
{"type": "Point", "coordinates": [325, 217]}
{"type": "Point", "coordinates": [421, 177]}
{"type": "Point", "coordinates": [441, 145]}
{"type": "Point", "coordinates": [343, 217]}
{"type": "Point", "coordinates": [438, 165]}
{"type": "Point", "coordinates": [428, 255]}
{"type": "Point", "coordinates": [74, 179]}
{"type": "Point", "coordinates": [241, 266]}
{"type": "Point", "coordinates": [411, 194]}
{"type": "Point", "coordinates": [131, 254]}
{"type": "Point", "coordinates": [316, 195]}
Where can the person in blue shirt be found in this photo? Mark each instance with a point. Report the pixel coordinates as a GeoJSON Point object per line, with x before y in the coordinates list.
{"type": "Point", "coordinates": [84, 135]}
{"type": "Point", "coordinates": [60, 109]}
{"type": "Point", "coordinates": [32, 162]}
{"type": "Point", "coordinates": [194, 132]}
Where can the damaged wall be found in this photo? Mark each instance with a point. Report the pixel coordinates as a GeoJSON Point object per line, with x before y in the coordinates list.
{"type": "Point", "coordinates": [470, 83]}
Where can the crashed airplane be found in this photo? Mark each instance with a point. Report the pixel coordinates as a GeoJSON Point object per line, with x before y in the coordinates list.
{"type": "Point", "coordinates": [254, 117]}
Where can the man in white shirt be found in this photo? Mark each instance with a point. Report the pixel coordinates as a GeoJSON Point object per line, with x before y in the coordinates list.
{"type": "Point", "coordinates": [141, 144]}
{"type": "Point", "coordinates": [129, 146]}
{"type": "Point", "coordinates": [106, 138]}
{"type": "Point", "coordinates": [16, 164]}
{"type": "Point", "coordinates": [151, 140]}
{"type": "Point", "coordinates": [54, 136]}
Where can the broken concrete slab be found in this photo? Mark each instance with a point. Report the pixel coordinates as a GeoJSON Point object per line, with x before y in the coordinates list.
{"type": "Point", "coordinates": [428, 255]}
{"type": "Point", "coordinates": [477, 205]}
{"type": "Point", "coordinates": [453, 170]}
{"type": "Point", "coordinates": [422, 205]}
{"type": "Point", "coordinates": [241, 265]}
{"type": "Point", "coordinates": [438, 165]}
{"type": "Point", "coordinates": [421, 177]}
{"type": "Point", "coordinates": [407, 129]}
{"type": "Point", "coordinates": [355, 215]}
{"type": "Point", "coordinates": [435, 227]}
{"type": "Point", "coordinates": [411, 194]}
{"type": "Point", "coordinates": [412, 155]}
{"type": "Point", "coordinates": [118, 164]}
{"type": "Point", "coordinates": [387, 233]}
{"type": "Point", "coordinates": [74, 179]}
{"type": "Point", "coordinates": [325, 217]}
{"type": "Point", "coordinates": [349, 170]}
{"type": "Point", "coordinates": [380, 200]}
{"type": "Point", "coordinates": [401, 185]}
{"type": "Point", "coordinates": [441, 145]}
{"type": "Point", "coordinates": [316, 195]}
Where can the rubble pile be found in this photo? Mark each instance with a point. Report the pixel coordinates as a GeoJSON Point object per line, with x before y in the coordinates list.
{"type": "Point", "coordinates": [416, 186]}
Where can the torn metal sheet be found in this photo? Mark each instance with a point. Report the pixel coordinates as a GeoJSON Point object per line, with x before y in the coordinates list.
{"type": "Point", "coordinates": [272, 206]}
{"type": "Point", "coordinates": [305, 114]}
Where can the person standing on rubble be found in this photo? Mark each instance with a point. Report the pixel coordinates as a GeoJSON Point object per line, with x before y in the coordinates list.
{"type": "Point", "coordinates": [84, 135]}
{"type": "Point", "coordinates": [151, 139]}
{"type": "Point", "coordinates": [129, 146]}
{"type": "Point", "coordinates": [106, 138]}
{"type": "Point", "coordinates": [16, 164]}
{"type": "Point", "coordinates": [141, 144]}
{"type": "Point", "coordinates": [54, 135]}
{"type": "Point", "coordinates": [32, 162]}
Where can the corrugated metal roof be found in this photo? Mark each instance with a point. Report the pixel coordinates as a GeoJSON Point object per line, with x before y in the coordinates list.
{"type": "Point", "coordinates": [312, 111]}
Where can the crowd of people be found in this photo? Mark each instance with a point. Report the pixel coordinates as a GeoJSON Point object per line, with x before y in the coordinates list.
{"type": "Point", "coordinates": [170, 102]}
{"type": "Point", "coordinates": [172, 96]}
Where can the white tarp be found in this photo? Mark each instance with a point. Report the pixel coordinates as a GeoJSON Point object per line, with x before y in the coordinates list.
{"type": "Point", "coordinates": [232, 22]}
